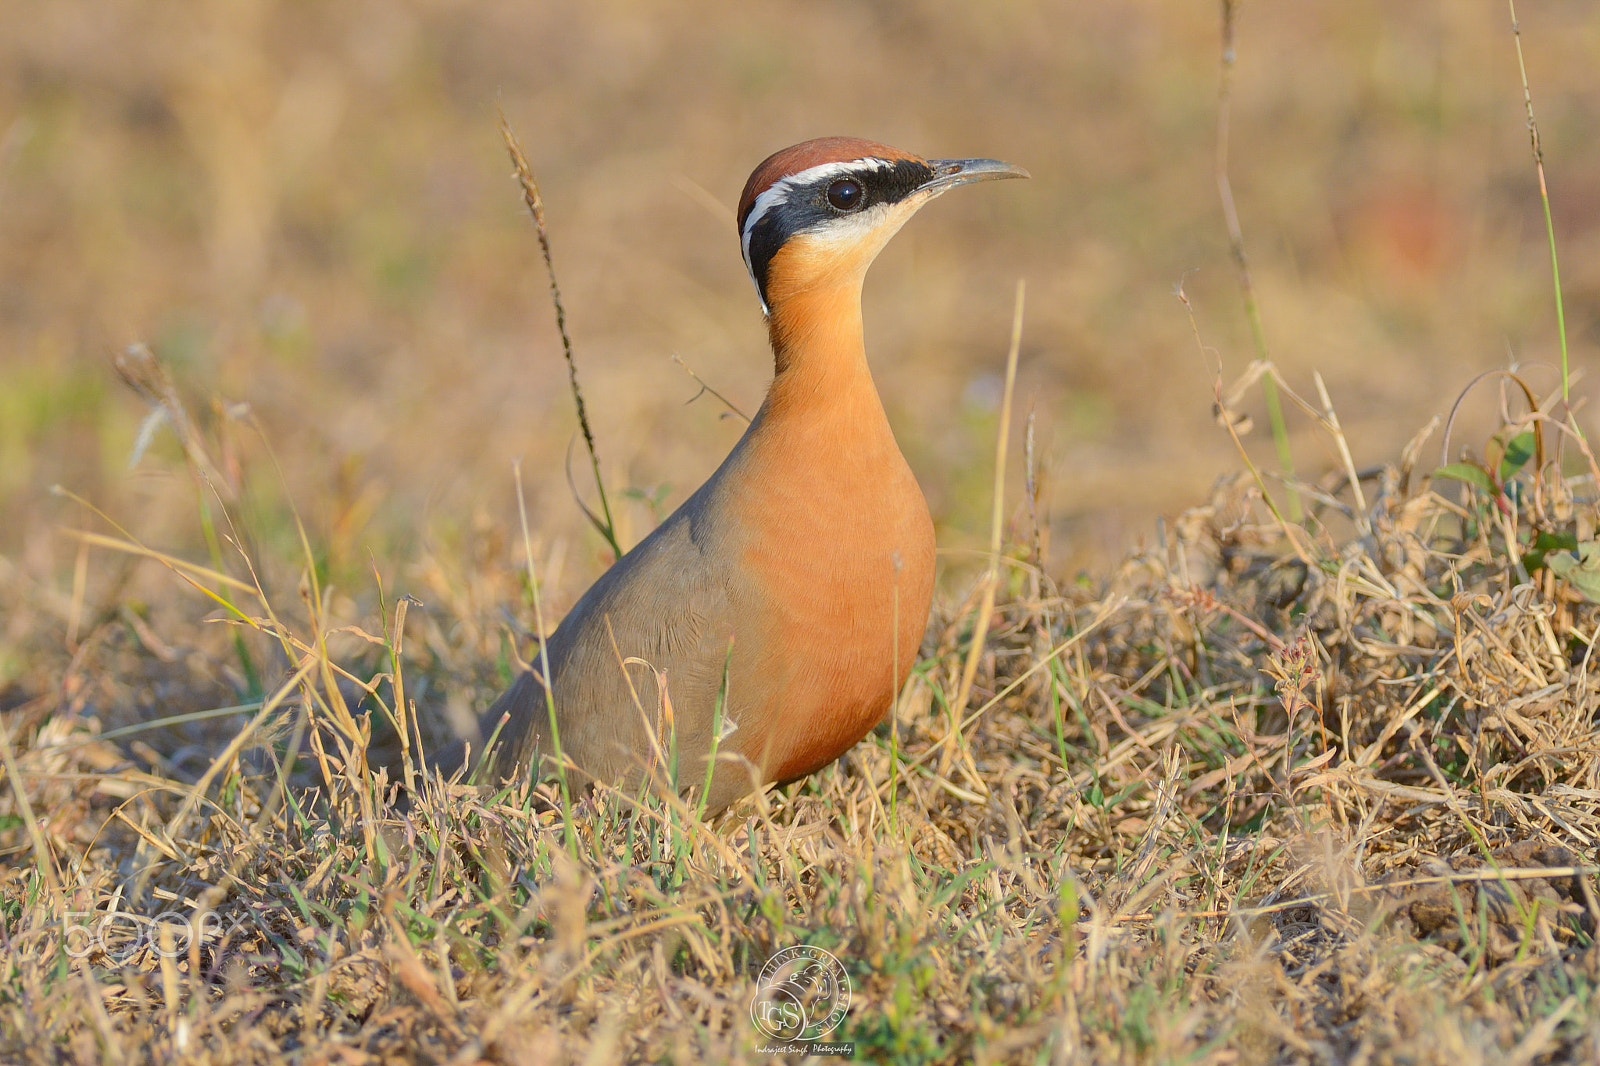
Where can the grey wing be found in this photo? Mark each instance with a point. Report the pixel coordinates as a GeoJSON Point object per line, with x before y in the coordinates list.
{"type": "Point", "coordinates": [661, 613]}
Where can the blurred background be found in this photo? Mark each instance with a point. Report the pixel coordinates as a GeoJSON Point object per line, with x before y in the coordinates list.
{"type": "Point", "coordinates": [306, 209]}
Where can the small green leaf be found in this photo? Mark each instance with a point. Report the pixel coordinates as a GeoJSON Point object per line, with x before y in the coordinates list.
{"type": "Point", "coordinates": [1546, 542]}
{"type": "Point", "coordinates": [1519, 450]}
{"type": "Point", "coordinates": [1471, 473]}
{"type": "Point", "coordinates": [1581, 571]}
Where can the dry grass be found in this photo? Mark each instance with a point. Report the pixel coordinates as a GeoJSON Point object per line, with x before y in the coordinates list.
{"type": "Point", "coordinates": [1265, 790]}
{"type": "Point", "coordinates": [1314, 793]}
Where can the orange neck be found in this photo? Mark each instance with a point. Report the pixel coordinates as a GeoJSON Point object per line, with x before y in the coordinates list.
{"type": "Point", "coordinates": [819, 352]}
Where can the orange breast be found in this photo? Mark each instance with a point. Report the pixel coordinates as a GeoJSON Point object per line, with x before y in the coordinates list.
{"type": "Point", "coordinates": [840, 570]}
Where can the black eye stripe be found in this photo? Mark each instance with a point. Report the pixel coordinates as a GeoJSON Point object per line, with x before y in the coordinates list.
{"type": "Point", "coordinates": [805, 206]}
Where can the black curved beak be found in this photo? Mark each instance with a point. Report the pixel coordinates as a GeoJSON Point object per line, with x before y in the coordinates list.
{"type": "Point", "coordinates": [948, 173]}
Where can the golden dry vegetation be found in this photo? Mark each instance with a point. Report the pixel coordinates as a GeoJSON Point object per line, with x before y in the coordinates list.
{"type": "Point", "coordinates": [1232, 786]}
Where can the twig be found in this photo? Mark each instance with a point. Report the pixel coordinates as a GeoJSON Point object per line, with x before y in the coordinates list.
{"type": "Point", "coordinates": [698, 380]}
{"type": "Point", "coordinates": [530, 195]}
{"type": "Point", "coordinates": [1230, 213]}
{"type": "Point", "coordinates": [1544, 198]}
{"type": "Point", "coordinates": [997, 518]}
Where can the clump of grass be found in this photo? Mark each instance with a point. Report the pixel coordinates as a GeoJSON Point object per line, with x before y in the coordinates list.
{"type": "Point", "coordinates": [1266, 790]}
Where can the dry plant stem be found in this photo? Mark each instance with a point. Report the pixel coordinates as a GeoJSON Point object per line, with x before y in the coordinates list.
{"type": "Point", "coordinates": [1463, 877]}
{"type": "Point", "coordinates": [240, 741]}
{"type": "Point", "coordinates": [80, 582]}
{"type": "Point", "coordinates": [530, 195]}
{"type": "Point", "coordinates": [182, 568]}
{"type": "Point", "coordinates": [351, 736]}
{"type": "Point", "coordinates": [44, 858]}
{"type": "Point", "coordinates": [1031, 488]}
{"type": "Point", "coordinates": [1109, 608]}
{"type": "Point", "coordinates": [147, 376]}
{"type": "Point", "coordinates": [568, 831]}
{"type": "Point", "coordinates": [1455, 408]}
{"type": "Point", "coordinates": [1291, 529]}
{"type": "Point", "coordinates": [1230, 213]}
{"type": "Point", "coordinates": [404, 717]}
{"type": "Point", "coordinates": [171, 719]}
{"type": "Point", "coordinates": [980, 627]}
{"type": "Point", "coordinates": [1331, 418]}
{"type": "Point", "coordinates": [704, 388]}
{"type": "Point", "coordinates": [1583, 446]}
{"type": "Point", "coordinates": [1294, 668]}
{"type": "Point", "coordinates": [1225, 415]}
{"type": "Point", "coordinates": [893, 813]}
{"type": "Point", "coordinates": [1544, 199]}
{"type": "Point", "coordinates": [716, 736]}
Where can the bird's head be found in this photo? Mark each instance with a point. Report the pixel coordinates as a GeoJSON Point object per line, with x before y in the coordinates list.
{"type": "Point", "coordinates": [819, 212]}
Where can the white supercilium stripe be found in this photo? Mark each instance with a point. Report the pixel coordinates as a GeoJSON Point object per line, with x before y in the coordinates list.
{"type": "Point", "coordinates": [778, 193]}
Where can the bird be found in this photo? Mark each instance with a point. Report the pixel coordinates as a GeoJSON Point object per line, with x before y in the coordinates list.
{"type": "Point", "coordinates": [768, 623]}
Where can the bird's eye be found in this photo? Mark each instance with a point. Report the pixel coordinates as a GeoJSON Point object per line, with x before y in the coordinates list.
{"type": "Point", "coordinates": [846, 194]}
